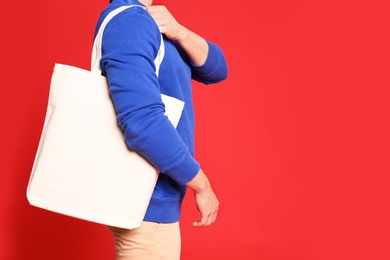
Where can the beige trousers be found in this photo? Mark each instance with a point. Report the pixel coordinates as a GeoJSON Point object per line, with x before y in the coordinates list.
{"type": "Point", "coordinates": [150, 241]}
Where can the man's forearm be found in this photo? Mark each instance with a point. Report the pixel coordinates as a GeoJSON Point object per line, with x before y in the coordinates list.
{"type": "Point", "coordinates": [199, 183]}
{"type": "Point", "coordinates": [194, 45]}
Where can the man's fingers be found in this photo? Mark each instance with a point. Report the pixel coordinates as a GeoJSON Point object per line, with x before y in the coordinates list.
{"type": "Point", "coordinates": [214, 218]}
{"type": "Point", "coordinates": [197, 224]}
{"type": "Point", "coordinates": [201, 223]}
{"type": "Point", "coordinates": [206, 220]}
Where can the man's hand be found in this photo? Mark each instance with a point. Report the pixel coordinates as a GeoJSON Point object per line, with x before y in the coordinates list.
{"type": "Point", "coordinates": [206, 201]}
{"type": "Point", "coordinates": [195, 46]}
{"type": "Point", "coordinates": [166, 22]}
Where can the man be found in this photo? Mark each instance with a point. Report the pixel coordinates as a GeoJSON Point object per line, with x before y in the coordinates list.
{"type": "Point", "coordinates": [131, 41]}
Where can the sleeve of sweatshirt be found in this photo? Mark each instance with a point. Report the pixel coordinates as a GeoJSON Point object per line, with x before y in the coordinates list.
{"type": "Point", "coordinates": [130, 44]}
{"type": "Point", "coordinates": [214, 69]}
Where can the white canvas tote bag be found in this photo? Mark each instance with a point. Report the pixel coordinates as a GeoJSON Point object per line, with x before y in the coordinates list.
{"type": "Point", "coordinates": [83, 167]}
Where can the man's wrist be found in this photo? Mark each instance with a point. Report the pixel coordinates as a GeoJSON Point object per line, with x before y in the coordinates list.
{"type": "Point", "coordinates": [182, 34]}
{"type": "Point", "coordinates": [199, 183]}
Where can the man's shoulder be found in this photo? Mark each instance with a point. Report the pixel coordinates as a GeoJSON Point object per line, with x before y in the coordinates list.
{"type": "Point", "coordinates": [132, 19]}
{"type": "Point", "coordinates": [129, 9]}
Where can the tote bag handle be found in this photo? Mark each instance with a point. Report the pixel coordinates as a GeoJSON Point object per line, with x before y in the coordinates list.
{"type": "Point", "coordinates": [97, 45]}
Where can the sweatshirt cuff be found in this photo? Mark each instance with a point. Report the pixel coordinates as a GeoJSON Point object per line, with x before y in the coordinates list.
{"type": "Point", "coordinates": [185, 171]}
{"type": "Point", "coordinates": [212, 61]}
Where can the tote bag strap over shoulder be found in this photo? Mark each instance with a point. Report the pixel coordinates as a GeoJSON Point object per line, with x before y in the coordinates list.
{"type": "Point", "coordinates": [174, 105]}
{"type": "Point", "coordinates": [97, 46]}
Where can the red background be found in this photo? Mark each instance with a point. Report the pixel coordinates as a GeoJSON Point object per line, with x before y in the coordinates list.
{"type": "Point", "coordinates": [295, 141]}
